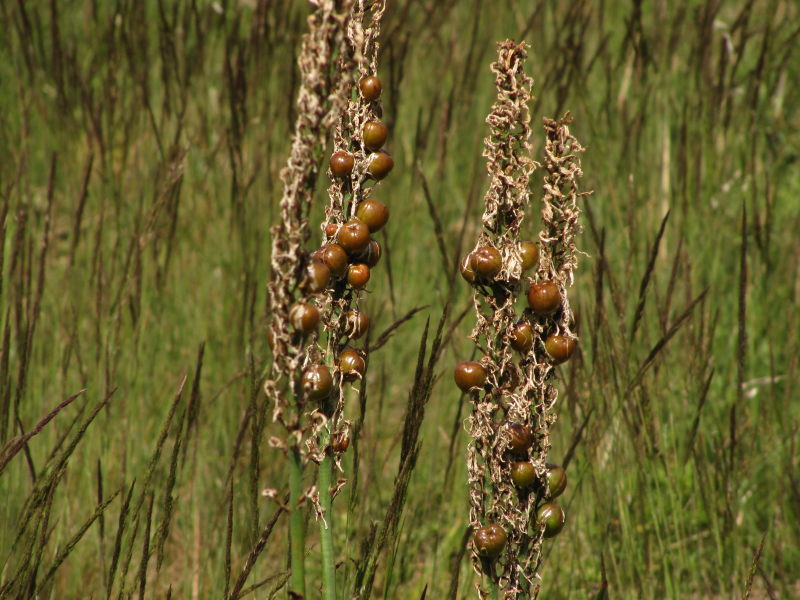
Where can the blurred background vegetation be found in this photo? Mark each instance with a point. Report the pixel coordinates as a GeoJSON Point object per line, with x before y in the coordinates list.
{"type": "Point", "coordinates": [140, 146]}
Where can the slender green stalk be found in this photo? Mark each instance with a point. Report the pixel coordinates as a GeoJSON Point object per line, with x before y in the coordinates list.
{"type": "Point", "coordinates": [326, 530]}
{"type": "Point", "coordinates": [298, 581]}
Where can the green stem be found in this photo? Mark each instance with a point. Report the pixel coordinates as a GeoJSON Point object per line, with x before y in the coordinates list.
{"type": "Point", "coordinates": [296, 526]}
{"type": "Point", "coordinates": [326, 533]}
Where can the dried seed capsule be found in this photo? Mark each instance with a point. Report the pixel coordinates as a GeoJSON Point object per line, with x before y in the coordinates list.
{"type": "Point", "coordinates": [489, 541]}
{"type": "Point", "coordinates": [357, 324]}
{"type": "Point", "coordinates": [316, 277]}
{"type": "Point", "coordinates": [552, 516]}
{"type": "Point", "coordinates": [317, 382]}
{"type": "Point", "coordinates": [523, 474]}
{"type": "Point", "coordinates": [304, 317]}
{"type": "Point", "coordinates": [370, 88]}
{"type": "Point", "coordinates": [340, 442]}
{"type": "Point", "coordinates": [469, 375]}
{"type": "Point", "coordinates": [341, 164]}
{"type": "Point", "coordinates": [335, 257]}
{"type": "Point", "coordinates": [375, 134]}
{"type": "Point", "coordinates": [556, 481]}
{"type": "Point", "coordinates": [522, 337]}
{"type": "Point", "coordinates": [357, 276]}
{"type": "Point", "coordinates": [487, 262]}
{"type": "Point", "coordinates": [380, 164]}
{"type": "Point", "coordinates": [530, 254]}
{"type": "Point", "coordinates": [519, 438]}
{"type": "Point", "coordinates": [353, 236]}
{"type": "Point", "coordinates": [467, 272]}
{"type": "Point", "coordinates": [351, 364]}
{"type": "Point", "coordinates": [369, 255]}
{"type": "Point", "coordinates": [373, 213]}
{"type": "Point", "coordinates": [544, 297]}
{"type": "Point", "coordinates": [560, 347]}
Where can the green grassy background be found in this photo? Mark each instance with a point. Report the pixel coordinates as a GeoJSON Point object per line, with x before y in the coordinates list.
{"type": "Point", "coordinates": [140, 146]}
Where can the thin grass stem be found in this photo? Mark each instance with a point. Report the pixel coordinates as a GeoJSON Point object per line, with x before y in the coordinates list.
{"type": "Point", "coordinates": [326, 530]}
{"type": "Point", "coordinates": [296, 526]}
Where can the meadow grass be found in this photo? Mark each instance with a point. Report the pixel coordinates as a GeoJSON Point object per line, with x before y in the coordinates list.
{"type": "Point", "coordinates": [140, 145]}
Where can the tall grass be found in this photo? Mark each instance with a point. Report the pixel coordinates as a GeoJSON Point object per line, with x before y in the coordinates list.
{"type": "Point", "coordinates": [140, 145]}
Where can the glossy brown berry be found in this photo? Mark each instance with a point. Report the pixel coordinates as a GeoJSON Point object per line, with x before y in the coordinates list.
{"type": "Point", "coordinates": [335, 257]}
{"type": "Point", "coordinates": [369, 255]}
{"type": "Point", "coordinates": [370, 88]}
{"type": "Point", "coordinates": [522, 337]}
{"type": "Point", "coordinates": [556, 481]}
{"type": "Point", "coordinates": [552, 516]}
{"type": "Point", "coordinates": [304, 317]}
{"type": "Point", "coordinates": [523, 475]}
{"type": "Point", "coordinates": [544, 297]}
{"type": "Point", "coordinates": [519, 438]}
{"type": "Point", "coordinates": [380, 164]}
{"type": "Point", "coordinates": [316, 277]}
{"type": "Point", "coordinates": [560, 347]}
{"type": "Point", "coordinates": [357, 324]}
{"type": "Point", "coordinates": [340, 442]}
{"type": "Point", "coordinates": [489, 541]}
{"type": "Point", "coordinates": [375, 134]}
{"type": "Point", "coordinates": [317, 382]}
{"type": "Point", "coordinates": [486, 262]}
{"type": "Point", "coordinates": [467, 272]}
{"type": "Point", "coordinates": [357, 275]}
{"type": "Point", "coordinates": [530, 254]}
{"type": "Point", "coordinates": [373, 213]}
{"type": "Point", "coordinates": [353, 236]}
{"type": "Point", "coordinates": [469, 375]}
{"type": "Point", "coordinates": [331, 229]}
{"type": "Point", "coordinates": [342, 164]}
{"type": "Point", "coordinates": [351, 364]}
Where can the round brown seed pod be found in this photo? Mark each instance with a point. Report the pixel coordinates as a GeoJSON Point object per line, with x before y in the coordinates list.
{"type": "Point", "coordinates": [373, 213]}
{"type": "Point", "coordinates": [317, 382]}
{"type": "Point", "coordinates": [331, 229]}
{"type": "Point", "coordinates": [316, 277]}
{"type": "Point", "coordinates": [357, 275]}
{"type": "Point", "coordinates": [304, 317]}
{"type": "Point", "coordinates": [556, 481]}
{"type": "Point", "coordinates": [530, 254]}
{"type": "Point", "coordinates": [519, 438]}
{"type": "Point", "coordinates": [374, 135]}
{"type": "Point", "coordinates": [469, 375]}
{"type": "Point", "coordinates": [486, 262]}
{"type": "Point", "coordinates": [370, 88]}
{"type": "Point", "coordinates": [341, 164]}
{"type": "Point", "coordinates": [369, 255]}
{"type": "Point", "coordinates": [552, 516]}
{"type": "Point", "coordinates": [380, 165]}
{"type": "Point", "coordinates": [357, 324]}
{"type": "Point", "coordinates": [335, 257]}
{"type": "Point", "coordinates": [544, 297]}
{"type": "Point", "coordinates": [523, 474]}
{"type": "Point", "coordinates": [522, 337]}
{"type": "Point", "coordinates": [353, 236]}
{"type": "Point", "coordinates": [489, 541]}
{"type": "Point", "coordinates": [351, 364]}
{"type": "Point", "coordinates": [560, 347]}
{"type": "Point", "coordinates": [467, 272]}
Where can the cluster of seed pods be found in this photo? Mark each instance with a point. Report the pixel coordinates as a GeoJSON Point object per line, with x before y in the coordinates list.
{"type": "Point", "coordinates": [512, 486]}
{"type": "Point", "coordinates": [338, 272]}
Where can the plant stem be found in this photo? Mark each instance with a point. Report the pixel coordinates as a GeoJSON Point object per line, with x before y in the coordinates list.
{"type": "Point", "coordinates": [298, 581]}
{"type": "Point", "coordinates": [326, 530]}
